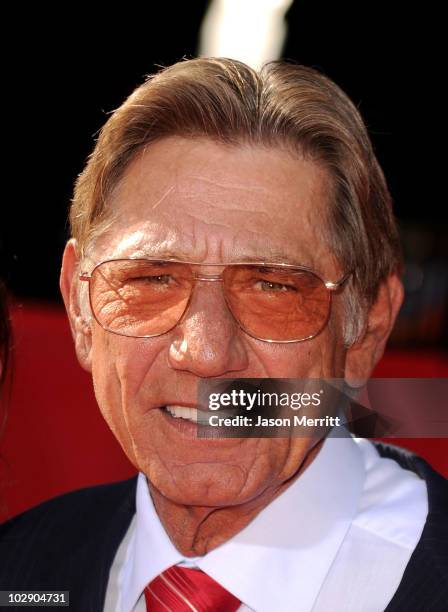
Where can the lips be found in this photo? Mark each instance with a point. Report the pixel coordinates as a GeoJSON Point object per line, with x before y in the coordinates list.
{"type": "Point", "coordinates": [193, 414]}
{"type": "Point", "coordinates": [191, 422]}
{"type": "Point", "coordinates": [182, 419]}
{"type": "Point", "coordinates": [186, 412]}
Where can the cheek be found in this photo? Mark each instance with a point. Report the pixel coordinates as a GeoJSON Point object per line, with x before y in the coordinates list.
{"type": "Point", "coordinates": [119, 365]}
{"type": "Point", "coordinates": [106, 384]}
{"type": "Point", "coordinates": [320, 357]}
{"type": "Point", "coordinates": [104, 377]}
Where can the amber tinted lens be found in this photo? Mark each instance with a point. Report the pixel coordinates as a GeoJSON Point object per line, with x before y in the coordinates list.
{"type": "Point", "coordinates": [277, 304]}
{"type": "Point", "coordinates": [140, 298]}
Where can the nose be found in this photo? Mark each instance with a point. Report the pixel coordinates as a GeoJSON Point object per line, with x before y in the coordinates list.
{"type": "Point", "coordinates": [208, 341]}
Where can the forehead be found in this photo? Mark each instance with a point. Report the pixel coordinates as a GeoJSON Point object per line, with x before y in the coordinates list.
{"type": "Point", "coordinates": [203, 201]}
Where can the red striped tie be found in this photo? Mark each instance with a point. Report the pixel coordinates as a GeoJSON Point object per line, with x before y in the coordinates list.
{"type": "Point", "coordinates": [182, 589]}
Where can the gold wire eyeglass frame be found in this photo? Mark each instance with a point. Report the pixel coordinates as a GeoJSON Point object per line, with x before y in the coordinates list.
{"type": "Point", "coordinates": [331, 287]}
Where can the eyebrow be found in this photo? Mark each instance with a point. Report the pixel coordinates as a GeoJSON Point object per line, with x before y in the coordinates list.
{"type": "Point", "coordinates": [273, 257]}
{"type": "Point", "coordinates": [159, 254]}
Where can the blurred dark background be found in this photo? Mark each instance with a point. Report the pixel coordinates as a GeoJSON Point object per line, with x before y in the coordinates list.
{"type": "Point", "coordinates": [68, 69]}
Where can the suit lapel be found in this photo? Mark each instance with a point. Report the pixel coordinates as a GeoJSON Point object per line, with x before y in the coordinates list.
{"type": "Point", "coordinates": [424, 586]}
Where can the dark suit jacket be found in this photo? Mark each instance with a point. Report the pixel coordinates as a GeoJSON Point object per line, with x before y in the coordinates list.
{"type": "Point", "coordinates": [69, 543]}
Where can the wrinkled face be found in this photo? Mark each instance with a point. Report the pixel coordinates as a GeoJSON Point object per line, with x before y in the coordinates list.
{"type": "Point", "coordinates": [205, 202]}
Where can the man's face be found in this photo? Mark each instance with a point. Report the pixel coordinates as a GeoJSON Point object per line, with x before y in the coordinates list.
{"type": "Point", "coordinates": [205, 202]}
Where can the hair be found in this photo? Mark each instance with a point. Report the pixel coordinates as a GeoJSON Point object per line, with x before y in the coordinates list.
{"type": "Point", "coordinates": [284, 105]}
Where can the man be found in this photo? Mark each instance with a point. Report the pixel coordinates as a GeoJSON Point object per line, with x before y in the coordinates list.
{"type": "Point", "coordinates": [231, 224]}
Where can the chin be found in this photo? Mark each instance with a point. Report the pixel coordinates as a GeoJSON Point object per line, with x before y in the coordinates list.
{"type": "Point", "coordinates": [203, 484]}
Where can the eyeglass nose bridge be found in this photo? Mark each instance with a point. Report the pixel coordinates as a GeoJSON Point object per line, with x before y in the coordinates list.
{"type": "Point", "coordinates": [213, 278]}
{"type": "Point", "coordinates": [197, 276]}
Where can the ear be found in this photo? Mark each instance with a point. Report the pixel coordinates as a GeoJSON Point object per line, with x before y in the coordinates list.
{"type": "Point", "coordinates": [69, 284]}
{"type": "Point", "coordinates": [364, 354]}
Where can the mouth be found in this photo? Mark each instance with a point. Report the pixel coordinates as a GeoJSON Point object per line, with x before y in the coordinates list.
{"type": "Point", "coordinates": [193, 414]}
{"type": "Point", "coordinates": [182, 412]}
{"type": "Point", "coordinates": [182, 419]}
{"type": "Point", "coordinates": [192, 423]}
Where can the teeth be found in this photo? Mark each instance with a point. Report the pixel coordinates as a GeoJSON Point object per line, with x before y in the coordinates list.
{"type": "Point", "coordinates": [183, 412]}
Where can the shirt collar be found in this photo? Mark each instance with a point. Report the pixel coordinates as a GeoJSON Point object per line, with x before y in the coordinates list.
{"type": "Point", "coordinates": [280, 560]}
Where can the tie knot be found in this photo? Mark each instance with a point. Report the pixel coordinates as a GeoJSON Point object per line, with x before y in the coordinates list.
{"type": "Point", "coordinates": [182, 589]}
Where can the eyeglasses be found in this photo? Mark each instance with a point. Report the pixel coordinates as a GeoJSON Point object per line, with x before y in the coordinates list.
{"type": "Point", "coordinates": [143, 298]}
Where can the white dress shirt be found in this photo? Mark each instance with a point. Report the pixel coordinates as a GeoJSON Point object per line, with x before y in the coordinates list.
{"type": "Point", "coordinates": [339, 539]}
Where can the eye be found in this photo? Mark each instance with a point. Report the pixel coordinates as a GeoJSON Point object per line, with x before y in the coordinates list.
{"type": "Point", "coordinates": [153, 279]}
{"type": "Point", "coordinates": [158, 279]}
{"type": "Point", "coordinates": [266, 285]}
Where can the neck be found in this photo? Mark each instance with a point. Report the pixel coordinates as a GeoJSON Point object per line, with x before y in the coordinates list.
{"type": "Point", "coordinates": [196, 530]}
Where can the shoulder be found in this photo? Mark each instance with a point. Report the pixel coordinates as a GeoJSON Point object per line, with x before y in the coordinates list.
{"type": "Point", "coordinates": [64, 527]}
{"type": "Point", "coordinates": [437, 485]}
{"type": "Point", "coordinates": [410, 461]}
{"type": "Point", "coordinates": [72, 508]}
{"type": "Point", "coordinates": [424, 585]}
